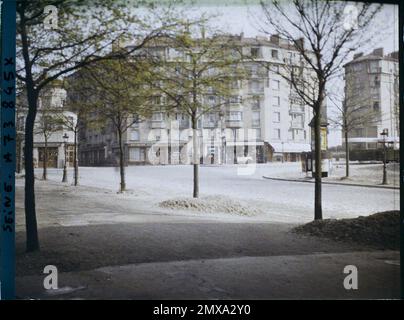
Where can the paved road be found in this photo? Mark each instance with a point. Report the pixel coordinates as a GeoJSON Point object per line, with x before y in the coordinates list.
{"type": "Point", "coordinates": [281, 201]}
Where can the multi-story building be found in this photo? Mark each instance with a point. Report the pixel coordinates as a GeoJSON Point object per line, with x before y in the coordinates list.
{"type": "Point", "coordinates": [51, 105]}
{"type": "Point", "coordinates": [371, 93]}
{"type": "Point", "coordinates": [264, 119]}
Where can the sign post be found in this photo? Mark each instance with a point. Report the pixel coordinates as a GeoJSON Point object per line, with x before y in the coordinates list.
{"type": "Point", "coordinates": [7, 150]}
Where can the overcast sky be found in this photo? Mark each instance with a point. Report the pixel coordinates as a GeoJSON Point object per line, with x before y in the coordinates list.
{"type": "Point", "coordinates": [234, 17]}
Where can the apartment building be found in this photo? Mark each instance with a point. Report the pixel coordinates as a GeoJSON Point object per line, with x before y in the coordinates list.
{"type": "Point", "coordinates": [50, 105]}
{"type": "Point", "coordinates": [264, 120]}
{"type": "Point", "coordinates": [371, 92]}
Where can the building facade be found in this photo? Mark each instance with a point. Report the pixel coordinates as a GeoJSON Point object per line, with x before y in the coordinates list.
{"type": "Point", "coordinates": [263, 121]}
{"type": "Point", "coordinates": [51, 105]}
{"type": "Point", "coordinates": [371, 92]}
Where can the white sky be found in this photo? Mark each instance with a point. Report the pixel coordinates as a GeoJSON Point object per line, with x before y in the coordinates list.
{"type": "Point", "coordinates": [240, 18]}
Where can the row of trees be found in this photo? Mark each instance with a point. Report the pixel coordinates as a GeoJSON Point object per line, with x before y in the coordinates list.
{"type": "Point", "coordinates": [118, 86]}
{"type": "Point", "coordinates": [127, 91]}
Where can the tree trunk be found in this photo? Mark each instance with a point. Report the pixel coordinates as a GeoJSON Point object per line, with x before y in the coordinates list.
{"type": "Point", "coordinates": [32, 241]}
{"type": "Point", "coordinates": [346, 153]}
{"type": "Point", "coordinates": [18, 153]}
{"type": "Point", "coordinates": [75, 162]}
{"type": "Point", "coordinates": [45, 160]}
{"type": "Point", "coordinates": [121, 162]}
{"type": "Point", "coordinates": [195, 157]}
{"type": "Point", "coordinates": [318, 214]}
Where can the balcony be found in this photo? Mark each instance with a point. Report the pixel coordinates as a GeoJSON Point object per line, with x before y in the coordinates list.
{"type": "Point", "coordinates": [211, 124]}
{"type": "Point", "coordinates": [234, 123]}
{"type": "Point", "coordinates": [158, 124]}
{"type": "Point", "coordinates": [296, 109]}
{"type": "Point", "coordinates": [296, 125]}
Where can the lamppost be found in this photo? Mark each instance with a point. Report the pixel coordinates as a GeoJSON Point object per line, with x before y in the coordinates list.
{"type": "Point", "coordinates": [283, 154]}
{"type": "Point", "coordinates": [384, 133]}
{"type": "Point", "coordinates": [65, 138]}
{"type": "Point", "coordinates": [223, 135]}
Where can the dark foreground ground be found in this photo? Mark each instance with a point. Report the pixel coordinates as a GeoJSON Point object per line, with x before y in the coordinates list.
{"type": "Point", "coordinates": [106, 246]}
{"type": "Point", "coordinates": [200, 260]}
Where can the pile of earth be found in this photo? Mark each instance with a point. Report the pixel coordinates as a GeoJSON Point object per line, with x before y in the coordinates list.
{"type": "Point", "coordinates": [212, 204]}
{"type": "Point", "coordinates": [381, 230]}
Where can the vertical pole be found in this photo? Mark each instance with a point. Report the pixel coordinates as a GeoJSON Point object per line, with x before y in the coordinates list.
{"type": "Point", "coordinates": [7, 153]}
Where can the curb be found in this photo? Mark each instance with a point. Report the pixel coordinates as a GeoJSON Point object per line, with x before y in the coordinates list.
{"type": "Point", "coordinates": [336, 183]}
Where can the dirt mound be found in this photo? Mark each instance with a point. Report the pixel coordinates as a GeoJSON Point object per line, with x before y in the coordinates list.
{"type": "Point", "coordinates": [210, 204]}
{"type": "Point", "coordinates": [381, 230]}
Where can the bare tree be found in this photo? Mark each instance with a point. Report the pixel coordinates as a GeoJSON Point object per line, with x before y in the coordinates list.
{"type": "Point", "coordinates": [332, 31]}
{"type": "Point", "coordinates": [201, 76]}
{"type": "Point", "coordinates": [352, 111]}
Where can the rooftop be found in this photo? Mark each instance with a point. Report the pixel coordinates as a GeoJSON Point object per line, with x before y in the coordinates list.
{"type": "Point", "coordinates": [376, 54]}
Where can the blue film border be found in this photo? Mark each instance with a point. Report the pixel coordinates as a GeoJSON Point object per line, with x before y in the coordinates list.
{"type": "Point", "coordinates": [7, 149]}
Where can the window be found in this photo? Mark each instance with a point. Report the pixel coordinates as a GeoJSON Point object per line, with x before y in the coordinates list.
{"type": "Point", "coordinates": [256, 86]}
{"type": "Point", "coordinates": [297, 121]}
{"type": "Point", "coordinates": [137, 154]}
{"type": "Point", "coordinates": [256, 102]}
{"type": "Point", "coordinates": [276, 101]}
{"type": "Point", "coordinates": [211, 100]}
{"type": "Point", "coordinates": [373, 67]}
{"type": "Point", "coordinates": [234, 85]}
{"type": "Point", "coordinates": [277, 117]}
{"type": "Point", "coordinates": [274, 68]}
{"type": "Point", "coordinates": [255, 52]}
{"type": "Point", "coordinates": [180, 116]}
{"type": "Point", "coordinates": [257, 133]}
{"type": "Point", "coordinates": [277, 133]}
{"type": "Point", "coordinates": [253, 70]}
{"type": "Point", "coordinates": [376, 106]}
{"type": "Point", "coordinates": [274, 54]}
{"type": "Point", "coordinates": [372, 132]}
{"type": "Point", "coordinates": [275, 84]}
{"type": "Point", "coordinates": [256, 119]}
{"type": "Point", "coordinates": [235, 116]}
{"type": "Point", "coordinates": [235, 99]}
{"type": "Point", "coordinates": [157, 116]}
{"type": "Point", "coordinates": [359, 132]}
{"type": "Point", "coordinates": [134, 135]}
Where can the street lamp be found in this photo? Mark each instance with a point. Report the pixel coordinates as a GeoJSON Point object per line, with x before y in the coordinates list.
{"type": "Point", "coordinates": [384, 133]}
{"type": "Point", "coordinates": [65, 138]}
{"type": "Point", "coordinates": [283, 154]}
{"type": "Point", "coordinates": [223, 135]}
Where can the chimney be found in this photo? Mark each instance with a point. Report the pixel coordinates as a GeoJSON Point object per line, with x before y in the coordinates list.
{"type": "Point", "coordinates": [394, 55]}
{"type": "Point", "coordinates": [378, 52]}
{"type": "Point", "coordinates": [357, 55]}
{"type": "Point", "coordinates": [300, 43]}
{"type": "Point", "coordinates": [275, 39]}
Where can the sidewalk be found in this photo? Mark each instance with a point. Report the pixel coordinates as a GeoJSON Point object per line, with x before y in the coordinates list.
{"type": "Point", "coordinates": [311, 180]}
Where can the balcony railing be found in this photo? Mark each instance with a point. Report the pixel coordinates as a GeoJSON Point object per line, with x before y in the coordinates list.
{"type": "Point", "coordinates": [234, 123]}
{"type": "Point", "coordinates": [296, 109]}
{"type": "Point", "coordinates": [158, 124]}
{"type": "Point", "coordinates": [211, 124]}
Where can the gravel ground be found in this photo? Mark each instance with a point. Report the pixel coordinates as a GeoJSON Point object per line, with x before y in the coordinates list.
{"type": "Point", "coordinates": [380, 230]}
